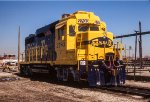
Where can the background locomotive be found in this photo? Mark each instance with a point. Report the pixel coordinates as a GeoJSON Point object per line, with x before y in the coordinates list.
{"type": "Point", "coordinates": [77, 47]}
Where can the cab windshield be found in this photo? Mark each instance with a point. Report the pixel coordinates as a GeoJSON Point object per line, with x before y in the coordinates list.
{"type": "Point", "coordinates": [84, 28]}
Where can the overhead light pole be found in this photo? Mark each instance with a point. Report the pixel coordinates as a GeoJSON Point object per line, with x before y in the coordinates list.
{"type": "Point", "coordinates": [19, 48]}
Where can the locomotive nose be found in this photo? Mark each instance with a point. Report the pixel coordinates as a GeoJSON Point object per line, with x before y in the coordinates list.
{"type": "Point", "coordinates": [94, 45]}
{"type": "Point", "coordinates": [99, 45]}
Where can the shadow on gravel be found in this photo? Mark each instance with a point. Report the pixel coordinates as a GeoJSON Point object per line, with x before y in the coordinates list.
{"type": "Point", "coordinates": [53, 80]}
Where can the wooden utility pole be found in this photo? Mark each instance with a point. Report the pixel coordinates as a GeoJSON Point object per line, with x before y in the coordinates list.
{"type": "Point", "coordinates": [140, 46]}
{"type": "Point", "coordinates": [19, 48]}
{"type": "Point", "coordinates": [135, 55]}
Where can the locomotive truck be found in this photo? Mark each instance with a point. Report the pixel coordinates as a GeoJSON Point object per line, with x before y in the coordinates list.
{"type": "Point", "coordinates": [76, 47]}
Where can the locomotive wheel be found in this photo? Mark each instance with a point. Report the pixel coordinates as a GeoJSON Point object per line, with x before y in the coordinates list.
{"type": "Point", "coordinates": [53, 73]}
{"type": "Point", "coordinates": [70, 78]}
{"type": "Point", "coordinates": [29, 71]}
{"type": "Point", "coordinates": [22, 67]}
{"type": "Point", "coordinates": [65, 74]}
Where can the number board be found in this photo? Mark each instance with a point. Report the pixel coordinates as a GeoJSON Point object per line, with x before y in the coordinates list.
{"type": "Point", "coordinates": [83, 21]}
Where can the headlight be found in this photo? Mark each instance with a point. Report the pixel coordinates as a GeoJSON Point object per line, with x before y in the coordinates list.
{"type": "Point", "coordinates": [82, 62]}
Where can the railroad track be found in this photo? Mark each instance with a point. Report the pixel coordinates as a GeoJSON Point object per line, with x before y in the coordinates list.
{"type": "Point", "coordinates": [145, 93]}
{"type": "Point", "coordinates": [124, 90]}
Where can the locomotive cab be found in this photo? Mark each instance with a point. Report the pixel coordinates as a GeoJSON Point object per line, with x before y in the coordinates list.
{"type": "Point", "coordinates": [82, 36]}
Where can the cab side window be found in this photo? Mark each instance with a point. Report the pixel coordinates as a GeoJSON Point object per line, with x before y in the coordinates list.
{"type": "Point", "coordinates": [61, 32]}
{"type": "Point", "coordinates": [72, 30]}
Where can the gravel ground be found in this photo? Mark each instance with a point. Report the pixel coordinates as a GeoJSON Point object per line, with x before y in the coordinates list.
{"type": "Point", "coordinates": [39, 90]}
{"type": "Point", "coordinates": [26, 90]}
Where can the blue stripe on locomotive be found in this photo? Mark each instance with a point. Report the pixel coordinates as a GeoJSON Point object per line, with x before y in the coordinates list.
{"type": "Point", "coordinates": [47, 34]}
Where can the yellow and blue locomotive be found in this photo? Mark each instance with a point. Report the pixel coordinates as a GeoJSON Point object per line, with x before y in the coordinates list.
{"type": "Point", "coordinates": [77, 47]}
